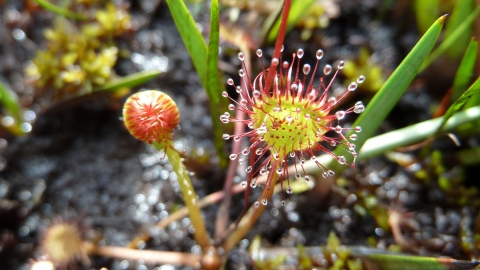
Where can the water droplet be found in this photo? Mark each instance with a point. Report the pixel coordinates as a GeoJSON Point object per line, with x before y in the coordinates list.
{"type": "Point", "coordinates": [352, 86]}
{"type": "Point", "coordinates": [230, 81]}
{"type": "Point", "coordinates": [259, 151]}
{"type": "Point", "coordinates": [275, 62]}
{"type": "Point", "coordinates": [243, 102]}
{"type": "Point", "coordinates": [246, 151]}
{"type": "Point", "coordinates": [225, 136]}
{"type": "Point", "coordinates": [353, 137]}
{"type": "Point", "coordinates": [233, 156]}
{"type": "Point", "coordinates": [285, 64]}
{"type": "Point", "coordinates": [231, 107]}
{"type": "Point", "coordinates": [224, 94]}
{"type": "Point", "coordinates": [244, 184]}
{"type": "Point", "coordinates": [302, 160]}
{"type": "Point", "coordinates": [332, 101]}
{"type": "Point", "coordinates": [289, 190]}
{"type": "Point", "coordinates": [256, 93]}
{"type": "Point", "coordinates": [241, 57]}
{"type": "Point", "coordinates": [358, 129]}
{"type": "Point", "coordinates": [333, 143]}
{"type": "Point", "coordinates": [342, 160]}
{"type": "Point", "coordinates": [325, 174]}
{"type": "Point", "coordinates": [256, 204]}
{"type": "Point", "coordinates": [263, 171]}
{"type": "Point", "coordinates": [241, 72]}
{"type": "Point", "coordinates": [307, 116]}
{"type": "Point", "coordinates": [239, 89]}
{"type": "Point", "coordinates": [307, 178]}
{"type": "Point", "coordinates": [340, 115]}
{"type": "Point", "coordinates": [306, 69]}
{"type": "Point", "coordinates": [264, 201]}
{"type": "Point", "coordinates": [283, 203]}
{"type": "Point", "coordinates": [225, 120]}
{"type": "Point", "coordinates": [253, 184]}
{"type": "Point", "coordinates": [319, 54]}
{"type": "Point", "coordinates": [292, 154]}
{"type": "Point", "coordinates": [300, 53]}
{"type": "Point", "coordinates": [259, 53]}
{"type": "Point", "coordinates": [359, 107]}
{"type": "Point", "coordinates": [331, 173]}
{"type": "Point", "coordinates": [248, 169]}
{"type": "Point", "coordinates": [276, 156]}
{"type": "Point", "coordinates": [361, 79]}
{"type": "Point", "coordinates": [236, 138]}
{"type": "Point", "coordinates": [280, 171]}
{"type": "Point", "coordinates": [327, 69]}
{"type": "Point", "coordinates": [351, 147]}
{"type": "Point", "coordinates": [338, 129]}
{"type": "Point", "coordinates": [341, 64]}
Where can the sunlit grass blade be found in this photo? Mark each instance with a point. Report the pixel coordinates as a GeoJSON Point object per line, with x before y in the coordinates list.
{"type": "Point", "coordinates": [415, 133]}
{"type": "Point", "coordinates": [465, 70]}
{"type": "Point", "coordinates": [10, 102]}
{"type": "Point", "coordinates": [297, 10]}
{"type": "Point", "coordinates": [426, 13]}
{"type": "Point", "coordinates": [393, 89]}
{"type": "Point", "coordinates": [405, 262]}
{"type": "Point", "coordinates": [61, 11]}
{"type": "Point", "coordinates": [129, 81]}
{"type": "Point", "coordinates": [452, 39]}
{"type": "Point", "coordinates": [461, 11]}
{"type": "Point", "coordinates": [214, 86]}
{"type": "Point", "coordinates": [197, 48]}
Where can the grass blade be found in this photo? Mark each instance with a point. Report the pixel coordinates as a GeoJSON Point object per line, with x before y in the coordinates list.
{"type": "Point", "coordinates": [461, 11]}
{"type": "Point", "coordinates": [10, 101]}
{"type": "Point", "coordinates": [197, 48]}
{"type": "Point", "coordinates": [61, 11]}
{"type": "Point", "coordinates": [393, 89]}
{"type": "Point", "coordinates": [129, 81]}
{"type": "Point", "coordinates": [452, 39]}
{"type": "Point", "coordinates": [465, 70]}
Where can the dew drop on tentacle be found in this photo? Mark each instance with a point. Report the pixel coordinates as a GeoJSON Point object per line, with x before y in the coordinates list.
{"type": "Point", "coordinates": [264, 201]}
{"type": "Point", "coordinates": [289, 190]}
{"type": "Point", "coordinates": [361, 79]}
{"type": "Point", "coordinates": [285, 64]}
{"type": "Point", "coordinates": [236, 138]}
{"type": "Point", "coordinates": [275, 62]}
{"type": "Point", "coordinates": [230, 81]}
{"type": "Point", "coordinates": [241, 72]}
{"type": "Point", "coordinates": [249, 169]}
{"type": "Point", "coordinates": [306, 69]}
{"type": "Point", "coordinates": [253, 184]}
{"type": "Point", "coordinates": [307, 178]}
{"type": "Point", "coordinates": [231, 107]}
{"type": "Point", "coordinates": [338, 129]}
{"type": "Point", "coordinates": [280, 171]}
{"type": "Point", "coordinates": [331, 173]}
{"type": "Point", "coordinates": [359, 107]}
{"type": "Point", "coordinates": [353, 137]}
{"type": "Point", "coordinates": [225, 136]}
{"type": "Point", "coordinates": [224, 94]}
{"type": "Point", "coordinates": [341, 65]}
{"type": "Point", "coordinates": [297, 176]}
{"type": "Point", "coordinates": [327, 69]}
{"type": "Point", "coordinates": [239, 89]}
{"type": "Point", "coordinates": [352, 86]}
{"type": "Point", "coordinates": [342, 160]}
{"type": "Point", "coordinates": [256, 204]}
{"type": "Point", "coordinates": [243, 184]}
{"type": "Point", "coordinates": [319, 54]}
{"type": "Point", "coordinates": [259, 53]}
{"type": "Point", "coordinates": [332, 101]}
{"type": "Point", "coordinates": [246, 151]}
{"type": "Point", "coordinates": [340, 115]}
{"type": "Point", "coordinates": [283, 203]}
{"type": "Point", "coordinates": [263, 171]}
{"type": "Point", "coordinates": [300, 53]}
{"type": "Point", "coordinates": [292, 154]}
{"type": "Point", "coordinates": [358, 129]}
{"type": "Point", "coordinates": [241, 57]}
{"type": "Point", "coordinates": [233, 156]}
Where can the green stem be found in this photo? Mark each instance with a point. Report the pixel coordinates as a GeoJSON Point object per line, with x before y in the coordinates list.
{"type": "Point", "coordinates": [61, 11]}
{"type": "Point", "coordinates": [189, 195]}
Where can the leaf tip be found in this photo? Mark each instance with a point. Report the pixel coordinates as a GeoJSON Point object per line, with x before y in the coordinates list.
{"type": "Point", "coordinates": [442, 19]}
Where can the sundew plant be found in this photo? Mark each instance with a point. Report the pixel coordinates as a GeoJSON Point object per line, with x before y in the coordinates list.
{"type": "Point", "coordinates": [290, 118]}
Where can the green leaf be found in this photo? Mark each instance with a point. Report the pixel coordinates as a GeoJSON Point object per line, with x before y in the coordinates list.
{"type": "Point", "coordinates": [452, 39]}
{"type": "Point", "coordinates": [297, 10]}
{"type": "Point", "coordinates": [213, 82]}
{"type": "Point", "coordinates": [391, 92]}
{"type": "Point", "coordinates": [465, 70]}
{"type": "Point", "coordinates": [61, 11]}
{"type": "Point", "coordinates": [461, 11]}
{"type": "Point", "coordinates": [129, 81]}
{"type": "Point", "coordinates": [197, 48]}
{"type": "Point", "coordinates": [10, 101]}
{"type": "Point", "coordinates": [457, 105]}
{"type": "Point", "coordinates": [426, 13]}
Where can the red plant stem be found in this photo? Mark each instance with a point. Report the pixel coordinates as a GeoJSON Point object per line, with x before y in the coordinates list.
{"type": "Point", "coordinates": [278, 44]}
{"type": "Point", "coordinates": [222, 214]}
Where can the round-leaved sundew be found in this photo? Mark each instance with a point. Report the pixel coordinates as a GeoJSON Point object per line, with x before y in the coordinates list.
{"type": "Point", "coordinates": [151, 116]}
{"type": "Point", "coordinates": [292, 119]}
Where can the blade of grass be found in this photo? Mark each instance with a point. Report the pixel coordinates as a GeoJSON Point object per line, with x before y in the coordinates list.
{"type": "Point", "coordinates": [61, 11]}
{"type": "Point", "coordinates": [10, 101]}
{"type": "Point", "coordinates": [452, 39]}
{"type": "Point", "coordinates": [129, 81]}
{"type": "Point", "coordinates": [213, 82]}
{"type": "Point", "coordinates": [197, 48]}
{"type": "Point", "coordinates": [465, 70]}
{"type": "Point", "coordinates": [393, 89]}
{"type": "Point", "coordinates": [458, 104]}
{"type": "Point", "coordinates": [461, 11]}
{"type": "Point", "coordinates": [297, 10]}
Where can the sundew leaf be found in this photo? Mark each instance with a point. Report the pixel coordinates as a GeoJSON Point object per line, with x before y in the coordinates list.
{"type": "Point", "coordinates": [197, 48]}
{"type": "Point", "coordinates": [213, 83]}
{"type": "Point", "coordinates": [465, 70]}
{"type": "Point", "coordinates": [458, 105]}
{"type": "Point", "coordinates": [297, 10]}
{"type": "Point", "coordinates": [426, 12]}
{"type": "Point", "coordinates": [391, 92]}
{"type": "Point", "coordinates": [452, 39]}
{"type": "Point", "coordinates": [461, 11]}
{"type": "Point", "coordinates": [61, 11]}
{"type": "Point", "coordinates": [129, 81]}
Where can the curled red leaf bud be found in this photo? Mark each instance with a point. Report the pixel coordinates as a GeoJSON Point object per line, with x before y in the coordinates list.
{"type": "Point", "coordinates": [151, 116]}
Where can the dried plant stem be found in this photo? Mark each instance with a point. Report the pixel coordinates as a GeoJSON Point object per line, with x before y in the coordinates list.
{"type": "Point", "coordinates": [148, 256]}
{"type": "Point", "coordinates": [189, 195]}
{"type": "Point", "coordinates": [183, 212]}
